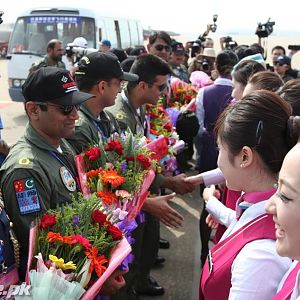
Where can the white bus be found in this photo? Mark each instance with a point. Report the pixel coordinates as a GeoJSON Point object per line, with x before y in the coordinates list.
{"type": "Point", "coordinates": [36, 27]}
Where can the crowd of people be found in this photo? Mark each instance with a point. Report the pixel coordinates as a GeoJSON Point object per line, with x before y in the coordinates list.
{"type": "Point", "coordinates": [246, 147]}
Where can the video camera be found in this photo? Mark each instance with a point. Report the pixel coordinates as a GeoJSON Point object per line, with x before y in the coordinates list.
{"type": "Point", "coordinates": [1, 14]}
{"type": "Point", "coordinates": [76, 53]}
{"type": "Point", "coordinates": [230, 44]}
{"type": "Point", "coordinates": [264, 30]}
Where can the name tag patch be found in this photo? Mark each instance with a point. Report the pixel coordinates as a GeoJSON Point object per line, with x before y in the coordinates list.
{"type": "Point", "coordinates": [67, 179]}
{"type": "Point", "coordinates": [27, 196]}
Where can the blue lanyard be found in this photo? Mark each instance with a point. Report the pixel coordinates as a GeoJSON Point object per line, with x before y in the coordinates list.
{"type": "Point", "coordinates": [100, 130]}
{"type": "Point", "coordinates": [53, 154]}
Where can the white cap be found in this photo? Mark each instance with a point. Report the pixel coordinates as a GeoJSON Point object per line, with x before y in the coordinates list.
{"type": "Point", "coordinates": [79, 42]}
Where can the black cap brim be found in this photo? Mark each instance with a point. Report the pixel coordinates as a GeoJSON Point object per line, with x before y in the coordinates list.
{"type": "Point", "coordinates": [129, 77]}
{"type": "Point", "coordinates": [73, 98]}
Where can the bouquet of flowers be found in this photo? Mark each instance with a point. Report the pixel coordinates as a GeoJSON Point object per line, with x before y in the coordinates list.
{"type": "Point", "coordinates": [77, 247]}
{"type": "Point", "coordinates": [119, 171]}
{"type": "Point", "coordinates": [161, 126]}
{"type": "Point", "coordinates": [182, 94]}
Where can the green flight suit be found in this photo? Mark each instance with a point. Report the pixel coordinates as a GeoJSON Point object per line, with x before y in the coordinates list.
{"type": "Point", "coordinates": [90, 130]}
{"type": "Point", "coordinates": [44, 63]}
{"type": "Point", "coordinates": [146, 236]}
{"type": "Point", "coordinates": [35, 177]}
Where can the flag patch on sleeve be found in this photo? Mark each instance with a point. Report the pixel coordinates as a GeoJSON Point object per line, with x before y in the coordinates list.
{"type": "Point", "coordinates": [27, 196]}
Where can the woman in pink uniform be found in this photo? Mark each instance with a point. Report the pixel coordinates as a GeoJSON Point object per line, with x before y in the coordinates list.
{"type": "Point", "coordinates": [253, 140]}
{"type": "Point", "coordinates": [285, 207]}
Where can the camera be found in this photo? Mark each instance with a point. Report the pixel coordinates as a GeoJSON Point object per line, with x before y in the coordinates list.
{"type": "Point", "coordinates": [294, 47]}
{"type": "Point", "coordinates": [229, 43]}
{"type": "Point", "coordinates": [75, 53]}
{"type": "Point", "coordinates": [264, 30]}
{"type": "Point", "coordinates": [213, 27]}
{"type": "Point", "coordinates": [1, 14]}
{"type": "Point", "coordinates": [204, 63]}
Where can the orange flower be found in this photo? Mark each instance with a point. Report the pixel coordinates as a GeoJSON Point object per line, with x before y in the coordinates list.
{"type": "Point", "coordinates": [108, 198]}
{"type": "Point", "coordinates": [92, 174]}
{"type": "Point", "coordinates": [53, 237]}
{"type": "Point", "coordinates": [98, 263]}
{"type": "Point", "coordinates": [112, 177]}
{"type": "Point", "coordinates": [69, 239]}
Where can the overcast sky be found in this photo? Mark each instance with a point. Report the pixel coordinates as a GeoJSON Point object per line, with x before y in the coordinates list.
{"type": "Point", "coordinates": [185, 16]}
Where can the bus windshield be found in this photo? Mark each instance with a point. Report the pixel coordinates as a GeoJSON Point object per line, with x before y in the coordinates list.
{"type": "Point", "coordinates": [32, 34]}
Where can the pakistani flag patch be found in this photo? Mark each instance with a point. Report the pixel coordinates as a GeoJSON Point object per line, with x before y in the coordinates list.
{"type": "Point", "coordinates": [27, 196]}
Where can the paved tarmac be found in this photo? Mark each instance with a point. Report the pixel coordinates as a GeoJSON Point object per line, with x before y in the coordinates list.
{"type": "Point", "coordinates": [180, 273]}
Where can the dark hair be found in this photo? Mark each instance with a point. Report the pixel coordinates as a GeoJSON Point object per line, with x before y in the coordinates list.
{"type": "Point", "coordinates": [290, 92]}
{"type": "Point", "coordinates": [257, 48]}
{"type": "Point", "coordinates": [147, 67]}
{"type": "Point", "coordinates": [278, 48]}
{"type": "Point", "coordinates": [245, 69]}
{"type": "Point", "coordinates": [240, 51]}
{"type": "Point", "coordinates": [127, 63]}
{"type": "Point", "coordinates": [260, 121]}
{"type": "Point", "coordinates": [266, 80]}
{"type": "Point", "coordinates": [85, 83]}
{"type": "Point", "coordinates": [160, 35]}
{"type": "Point", "coordinates": [119, 53]}
{"type": "Point", "coordinates": [225, 61]}
{"type": "Point", "coordinates": [51, 44]}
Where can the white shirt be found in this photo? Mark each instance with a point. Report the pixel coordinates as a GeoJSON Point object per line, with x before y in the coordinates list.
{"type": "Point", "coordinates": [257, 269]}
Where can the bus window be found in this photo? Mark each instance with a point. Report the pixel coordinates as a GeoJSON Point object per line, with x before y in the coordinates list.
{"type": "Point", "coordinates": [134, 33]}
{"type": "Point", "coordinates": [111, 33]}
{"type": "Point", "coordinates": [32, 34]}
{"type": "Point", "coordinates": [124, 33]}
{"type": "Point", "coordinates": [16, 43]}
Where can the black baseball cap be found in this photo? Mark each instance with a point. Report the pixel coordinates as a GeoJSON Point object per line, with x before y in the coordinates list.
{"type": "Point", "coordinates": [103, 65]}
{"type": "Point", "coordinates": [51, 84]}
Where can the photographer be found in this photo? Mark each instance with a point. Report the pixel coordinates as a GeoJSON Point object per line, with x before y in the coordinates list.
{"type": "Point", "coordinates": [76, 50]}
{"type": "Point", "coordinates": [228, 43]}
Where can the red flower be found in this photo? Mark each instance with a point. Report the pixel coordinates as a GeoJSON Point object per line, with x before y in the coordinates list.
{"type": "Point", "coordinates": [144, 161]}
{"type": "Point", "coordinates": [187, 97]}
{"type": "Point", "coordinates": [115, 232]}
{"type": "Point", "coordinates": [47, 220]}
{"type": "Point", "coordinates": [82, 240]}
{"type": "Point", "coordinates": [93, 153]}
{"type": "Point", "coordinates": [114, 146]}
{"type": "Point", "coordinates": [99, 217]}
{"type": "Point", "coordinates": [130, 158]}
{"type": "Point", "coordinates": [168, 126]}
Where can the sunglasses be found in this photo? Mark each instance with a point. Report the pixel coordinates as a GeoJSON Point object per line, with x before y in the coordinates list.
{"type": "Point", "coordinates": [65, 109]}
{"type": "Point", "coordinates": [161, 47]}
{"type": "Point", "coordinates": [161, 87]}
{"type": "Point", "coordinates": [276, 63]}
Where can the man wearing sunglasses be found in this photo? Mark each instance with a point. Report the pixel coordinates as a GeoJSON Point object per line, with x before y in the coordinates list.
{"type": "Point", "coordinates": [160, 45]}
{"type": "Point", "coordinates": [39, 172]}
{"type": "Point", "coordinates": [129, 111]}
{"type": "Point", "coordinates": [100, 74]}
{"type": "Point", "coordinates": [282, 66]}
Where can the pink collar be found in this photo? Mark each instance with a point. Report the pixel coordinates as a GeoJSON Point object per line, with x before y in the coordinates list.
{"type": "Point", "coordinates": [255, 197]}
{"type": "Point", "coordinates": [247, 199]}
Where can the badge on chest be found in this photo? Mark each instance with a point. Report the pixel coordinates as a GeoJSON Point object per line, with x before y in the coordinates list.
{"type": "Point", "coordinates": [67, 179]}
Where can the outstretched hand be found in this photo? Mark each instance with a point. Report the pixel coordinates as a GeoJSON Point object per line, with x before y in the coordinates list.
{"type": "Point", "coordinates": [160, 208]}
{"type": "Point", "coordinates": [195, 180]}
